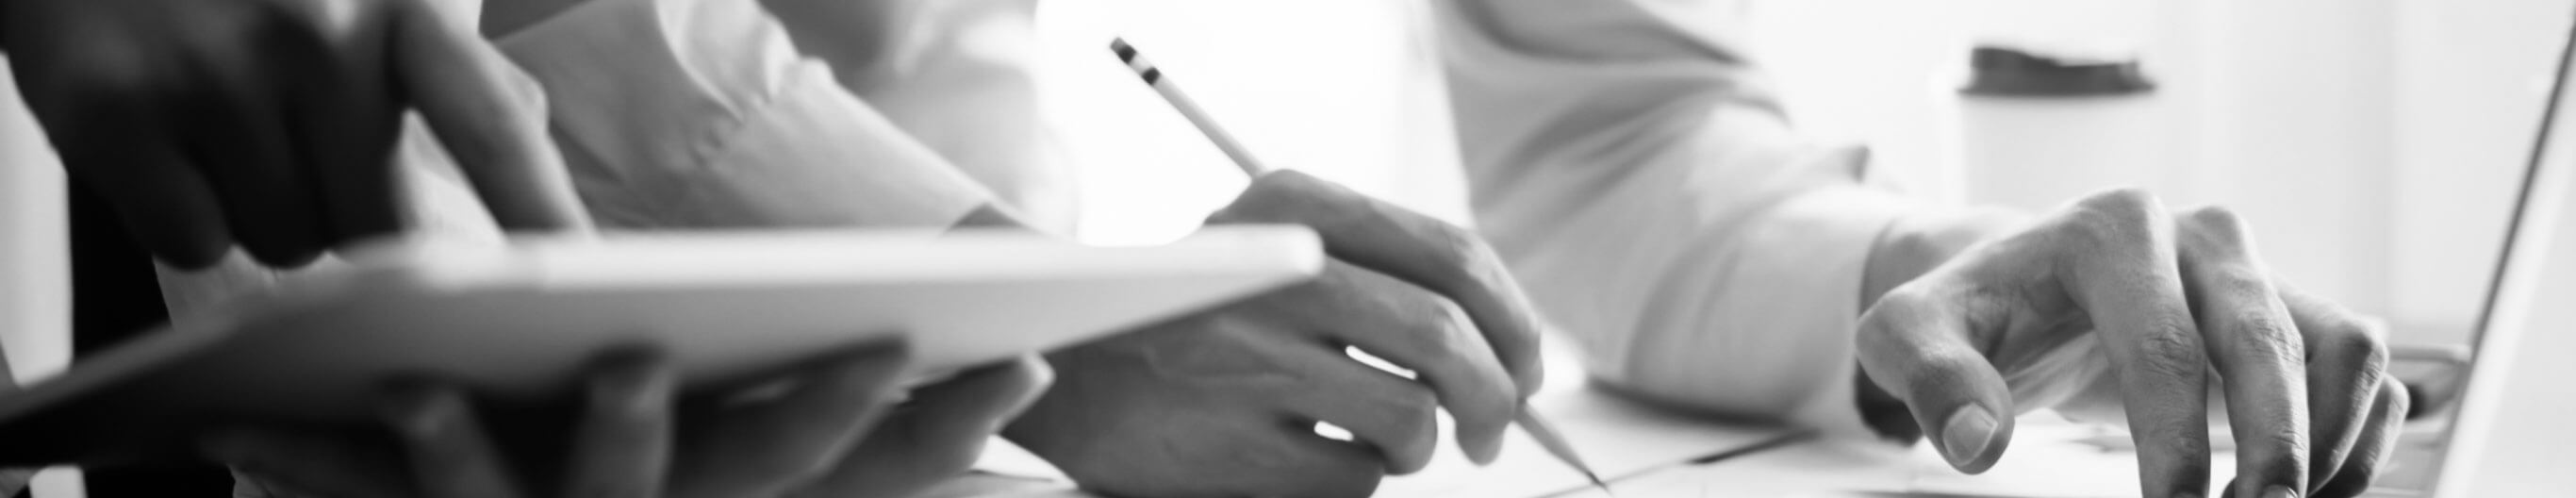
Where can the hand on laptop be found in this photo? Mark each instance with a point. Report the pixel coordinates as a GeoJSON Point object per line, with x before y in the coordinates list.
{"type": "Point", "coordinates": [2113, 307]}
{"type": "Point", "coordinates": [1221, 403]}
{"type": "Point", "coordinates": [833, 431]}
{"type": "Point", "coordinates": [272, 123]}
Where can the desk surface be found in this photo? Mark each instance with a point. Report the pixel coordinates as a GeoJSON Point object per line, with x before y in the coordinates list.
{"type": "Point", "coordinates": [2049, 458]}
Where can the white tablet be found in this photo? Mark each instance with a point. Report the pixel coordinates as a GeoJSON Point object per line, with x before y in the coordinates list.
{"type": "Point", "coordinates": [519, 321]}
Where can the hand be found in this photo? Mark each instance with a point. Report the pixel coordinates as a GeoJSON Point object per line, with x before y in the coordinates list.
{"type": "Point", "coordinates": [2111, 304]}
{"type": "Point", "coordinates": [834, 432]}
{"type": "Point", "coordinates": [1223, 403]}
{"type": "Point", "coordinates": [272, 122]}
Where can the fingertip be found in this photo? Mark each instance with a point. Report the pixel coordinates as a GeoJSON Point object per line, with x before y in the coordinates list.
{"type": "Point", "coordinates": [1481, 449]}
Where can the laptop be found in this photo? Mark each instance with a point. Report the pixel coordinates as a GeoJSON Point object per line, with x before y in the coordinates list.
{"type": "Point", "coordinates": [2492, 428]}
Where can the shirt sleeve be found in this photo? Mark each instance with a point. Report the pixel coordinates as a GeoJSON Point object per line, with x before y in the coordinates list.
{"type": "Point", "coordinates": [702, 114]}
{"type": "Point", "coordinates": [1628, 163]}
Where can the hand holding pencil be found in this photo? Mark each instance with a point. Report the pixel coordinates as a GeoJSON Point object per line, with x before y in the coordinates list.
{"type": "Point", "coordinates": [1389, 239]}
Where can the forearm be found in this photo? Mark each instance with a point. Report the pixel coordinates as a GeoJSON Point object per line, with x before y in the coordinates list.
{"type": "Point", "coordinates": [1912, 246]}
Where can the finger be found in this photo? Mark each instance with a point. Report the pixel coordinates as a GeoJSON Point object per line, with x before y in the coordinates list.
{"type": "Point", "coordinates": [1390, 413]}
{"type": "Point", "coordinates": [2347, 368]}
{"type": "Point", "coordinates": [937, 436]}
{"type": "Point", "coordinates": [623, 442]}
{"type": "Point", "coordinates": [2124, 276]}
{"type": "Point", "coordinates": [239, 140]}
{"type": "Point", "coordinates": [1425, 251]}
{"type": "Point", "coordinates": [1415, 329]}
{"type": "Point", "coordinates": [451, 455]}
{"type": "Point", "coordinates": [2377, 441]}
{"type": "Point", "coordinates": [767, 449]}
{"type": "Point", "coordinates": [1301, 464]}
{"type": "Point", "coordinates": [344, 122]}
{"type": "Point", "coordinates": [490, 116]}
{"type": "Point", "coordinates": [322, 466]}
{"type": "Point", "coordinates": [2257, 351]}
{"type": "Point", "coordinates": [162, 199]}
{"type": "Point", "coordinates": [1911, 344]}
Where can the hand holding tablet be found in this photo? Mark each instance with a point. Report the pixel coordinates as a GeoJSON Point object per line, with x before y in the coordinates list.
{"type": "Point", "coordinates": [515, 324]}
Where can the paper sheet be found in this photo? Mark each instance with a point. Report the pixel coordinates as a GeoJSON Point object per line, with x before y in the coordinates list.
{"type": "Point", "coordinates": [2049, 457]}
{"type": "Point", "coordinates": [1620, 438]}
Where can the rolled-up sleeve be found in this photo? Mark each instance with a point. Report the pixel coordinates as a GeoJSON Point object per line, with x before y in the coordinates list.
{"type": "Point", "coordinates": [1636, 175]}
{"type": "Point", "coordinates": [702, 114]}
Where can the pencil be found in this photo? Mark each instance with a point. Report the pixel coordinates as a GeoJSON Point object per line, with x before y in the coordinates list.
{"type": "Point", "coordinates": [1189, 108]}
{"type": "Point", "coordinates": [1538, 429]}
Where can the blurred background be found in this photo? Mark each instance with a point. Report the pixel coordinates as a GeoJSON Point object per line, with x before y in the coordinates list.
{"type": "Point", "coordinates": [2374, 145]}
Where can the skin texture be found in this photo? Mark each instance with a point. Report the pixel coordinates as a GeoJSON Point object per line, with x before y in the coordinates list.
{"type": "Point", "coordinates": [270, 123]}
{"type": "Point", "coordinates": [2114, 310]}
{"type": "Point", "coordinates": [1223, 403]}
{"type": "Point", "coordinates": [833, 431]}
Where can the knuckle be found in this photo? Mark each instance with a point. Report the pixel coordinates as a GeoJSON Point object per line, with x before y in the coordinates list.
{"type": "Point", "coordinates": [1886, 319]}
{"type": "Point", "coordinates": [2217, 220]}
{"type": "Point", "coordinates": [2170, 350]}
{"type": "Point", "coordinates": [2216, 232]}
{"type": "Point", "coordinates": [2265, 330]}
{"type": "Point", "coordinates": [1459, 247]}
{"type": "Point", "coordinates": [2119, 217]}
{"type": "Point", "coordinates": [2398, 399]}
{"type": "Point", "coordinates": [2126, 203]}
{"type": "Point", "coordinates": [2348, 339]}
{"type": "Point", "coordinates": [2291, 445]}
{"type": "Point", "coordinates": [526, 91]}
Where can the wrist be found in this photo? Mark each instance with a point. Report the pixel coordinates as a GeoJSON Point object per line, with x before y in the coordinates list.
{"type": "Point", "coordinates": [1915, 244]}
{"type": "Point", "coordinates": [1910, 247]}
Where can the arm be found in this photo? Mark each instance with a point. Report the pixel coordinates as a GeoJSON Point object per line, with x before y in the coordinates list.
{"type": "Point", "coordinates": [701, 113]}
{"type": "Point", "coordinates": [1634, 173]}
{"type": "Point", "coordinates": [1626, 162]}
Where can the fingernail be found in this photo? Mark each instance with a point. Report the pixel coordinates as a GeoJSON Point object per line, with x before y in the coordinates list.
{"type": "Point", "coordinates": [1964, 437]}
{"type": "Point", "coordinates": [2278, 492]}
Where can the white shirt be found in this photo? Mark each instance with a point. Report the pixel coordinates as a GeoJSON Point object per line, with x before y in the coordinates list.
{"type": "Point", "coordinates": [1621, 155]}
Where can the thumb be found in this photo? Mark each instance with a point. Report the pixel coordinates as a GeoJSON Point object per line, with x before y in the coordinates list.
{"type": "Point", "coordinates": [1917, 348]}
